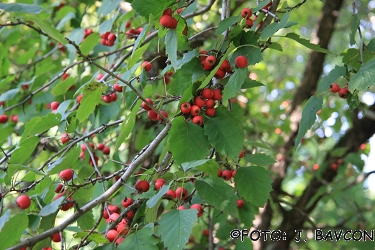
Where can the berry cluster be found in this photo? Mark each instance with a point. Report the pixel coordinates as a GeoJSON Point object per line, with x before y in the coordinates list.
{"type": "Point", "coordinates": [342, 92]}
{"type": "Point", "coordinates": [152, 115]}
{"type": "Point", "coordinates": [86, 33]}
{"type": "Point", "coordinates": [206, 100]}
{"type": "Point", "coordinates": [101, 147]}
{"type": "Point", "coordinates": [167, 20]}
{"type": "Point", "coordinates": [108, 39]}
{"type": "Point", "coordinates": [133, 33]}
{"type": "Point", "coordinates": [147, 66]}
{"type": "Point", "coordinates": [3, 118]}
{"type": "Point", "coordinates": [247, 13]}
{"type": "Point", "coordinates": [110, 97]}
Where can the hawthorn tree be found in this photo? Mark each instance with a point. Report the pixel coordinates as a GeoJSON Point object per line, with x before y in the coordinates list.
{"type": "Point", "coordinates": [185, 124]}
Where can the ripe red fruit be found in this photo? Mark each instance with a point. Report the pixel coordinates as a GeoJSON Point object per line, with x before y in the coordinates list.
{"type": "Point", "coordinates": [99, 77]}
{"type": "Point", "coordinates": [67, 205]}
{"type": "Point", "coordinates": [168, 12]}
{"type": "Point", "coordinates": [130, 215]}
{"type": "Point", "coordinates": [182, 193]}
{"type": "Point", "coordinates": [14, 118]}
{"type": "Point", "coordinates": [242, 153]}
{"type": "Point", "coordinates": [171, 194]}
{"type": "Point", "coordinates": [158, 185]}
{"type": "Point", "coordinates": [219, 172]}
{"type": "Point", "coordinates": [206, 232]}
{"type": "Point", "coordinates": [185, 108]}
{"type": "Point", "coordinates": [56, 237]}
{"type": "Point", "coordinates": [234, 173]}
{"type": "Point", "coordinates": [64, 138]}
{"type": "Point", "coordinates": [66, 174]}
{"type": "Point", "coordinates": [26, 86]}
{"type": "Point", "coordinates": [113, 209]}
{"type": "Point", "coordinates": [199, 208]}
{"type": "Point", "coordinates": [64, 76]}
{"type": "Point", "coordinates": [59, 188]}
{"type": "Point", "coordinates": [152, 115]}
{"type": "Point", "coordinates": [142, 186]}
{"type": "Point", "coordinates": [198, 120]}
{"type": "Point", "coordinates": [113, 97]}
{"type": "Point", "coordinates": [127, 202]}
{"type": "Point", "coordinates": [199, 101]}
{"type": "Point", "coordinates": [217, 94]}
{"type": "Point", "coordinates": [246, 13]}
{"type": "Point", "coordinates": [106, 150]}
{"type": "Point", "coordinates": [241, 61]}
{"type": "Point", "coordinates": [225, 66]}
{"type": "Point", "coordinates": [249, 23]}
{"type": "Point", "coordinates": [174, 23]}
{"type": "Point", "coordinates": [23, 201]}
{"type": "Point", "coordinates": [207, 93]}
{"type": "Point", "coordinates": [79, 98]}
{"type": "Point", "coordinates": [112, 235]}
{"type": "Point", "coordinates": [227, 174]}
{"type": "Point", "coordinates": [99, 147]}
{"type": "Point", "coordinates": [107, 98]}
{"type": "Point", "coordinates": [343, 92]}
{"type": "Point", "coordinates": [210, 111]}
{"type": "Point", "coordinates": [147, 66]}
{"type": "Point", "coordinates": [122, 229]}
{"type": "Point", "coordinates": [46, 248]}
{"type": "Point", "coordinates": [54, 105]}
{"type": "Point", "coordinates": [145, 105]}
{"type": "Point", "coordinates": [210, 60]}
{"type": "Point", "coordinates": [117, 87]}
{"type": "Point", "coordinates": [166, 21]}
{"type": "Point", "coordinates": [219, 74]}
{"type": "Point", "coordinates": [181, 208]}
{"type": "Point", "coordinates": [334, 88]}
{"type": "Point", "coordinates": [164, 114]}
{"type": "Point", "coordinates": [240, 203]}
{"type": "Point", "coordinates": [111, 37]}
{"type": "Point", "coordinates": [113, 217]}
{"type": "Point", "coordinates": [210, 103]}
{"type": "Point", "coordinates": [195, 110]}
{"type": "Point", "coordinates": [3, 118]}
{"type": "Point", "coordinates": [203, 55]}
{"type": "Point", "coordinates": [205, 65]}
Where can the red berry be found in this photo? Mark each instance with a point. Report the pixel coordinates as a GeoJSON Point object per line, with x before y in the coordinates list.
{"type": "Point", "coordinates": [198, 120]}
{"type": "Point", "coordinates": [147, 66]}
{"type": "Point", "coordinates": [79, 98]}
{"type": "Point", "coordinates": [249, 23]}
{"type": "Point", "coordinates": [113, 97]}
{"type": "Point", "coordinates": [205, 65]}
{"type": "Point", "coordinates": [166, 21]}
{"type": "Point", "coordinates": [113, 217]}
{"type": "Point", "coordinates": [200, 101]}
{"type": "Point", "coordinates": [66, 174]}
{"type": "Point", "coordinates": [234, 173]}
{"type": "Point", "coordinates": [26, 86]}
{"type": "Point", "coordinates": [127, 202]}
{"type": "Point", "coordinates": [207, 93]}
{"type": "Point", "coordinates": [107, 98]}
{"type": "Point", "coordinates": [64, 138]}
{"type": "Point", "coordinates": [334, 88]}
{"type": "Point", "coordinates": [225, 66]}
{"type": "Point", "coordinates": [23, 201]}
{"type": "Point", "coordinates": [227, 174]}
{"type": "Point", "coordinates": [199, 208]}
{"type": "Point", "coordinates": [59, 188]}
{"type": "Point", "coordinates": [195, 110]}
{"type": "Point", "coordinates": [206, 232]}
{"type": "Point", "coordinates": [164, 114]}
{"type": "Point", "coordinates": [64, 76]}
{"type": "Point", "coordinates": [343, 92]}
{"type": "Point", "coordinates": [112, 37]}
{"type": "Point", "coordinates": [56, 237]}
{"type": "Point", "coordinates": [113, 209]}
{"type": "Point", "coordinates": [3, 118]}
{"type": "Point", "coordinates": [46, 248]}
{"type": "Point", "coordinates": [142, 186]}
{"type": "Point", "coordinates": [217, 94]}
{"type": "Point", "coordinates": [145, 105]}
{"type": "Point", "coordinates": [122, 228]}
{"type": "Point", "coordinates": [241, 61]}
{"type": "Point", "coordinates": [54, 105]}
{"type": "Point", "coordinates": [219, 172]}
{"type": "Point", "coordinates": [171, 194]}
{"type": "Point", "coordinates": [219, 74]}
{"type": "Point", "coordinates": [168, 12]}
{"type": "Point", "coordinates": [242, 153]}
{"type": "Point", "coordinates": [112, 235]}
{"type": "Point", "coordinates": [174, 23]}
{"type": "Point", "coordinates": [100, 146]}
{"type": "Point", "coordinates": [99, 77]}
{"type": "Point", "coordinates": [210, 60]}
{"type": "Point", "coordinates": [182, 193]}
{"type": "Point", "coordinates": [106, 150]}
{"type": "Point", "coordinates": [210, 103]}
{"type": "Point", "coordinates": [152, 115]}
{"type": "Point", "coordinates": [117, 87]}
{"type": "Point", "coordinates": [246, 13]}
{"type": "Point", "coordinates": [185, 108]}
{"type": "Point", "coordinates": [210, 111]}
{"type": "Point", "coordinates": [158, 185]}
{"type": "Point", "coordinates": [181, 208]}
{"type": "Point", "coordinates": [130, 215]}
{"type": "Point", "coordinates": [240, 203]}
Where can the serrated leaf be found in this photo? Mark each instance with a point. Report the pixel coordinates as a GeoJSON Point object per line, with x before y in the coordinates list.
{"type": "Point", "coordinates": [247, 45]}
{"type": "Point", "coordinates": [308, 116]}
{"type": "Point", "coordinates": [274, 27]}
{"type": "Point", "coordinates": [51, 208]}
{"type": "Point", "coordinates": [249, 83]}
{"type": "Point", "coordinates": [141, 37]}
{"type": "Point", "coordinates": [21, 7]}
{"type": "Point", "coordinates": [306, 43]}
{"type": "Point", "coordinates": [147, 7]}
{"type": "Point", "coordinates": [254, 184]}
{"type": "Point", "coordinates": [151, 214]}
{"type": "Point", "coordinates": [107, 24]}
{"type": "Point", "coordinates": [86, 221]}
{"type": "Point", "coordinates": [332, 76]}
{"type": "Point", "coordinates": [364, 78]}
{"type": "Point", "coordinates": [154, 199]}
{"type": "Point", "coordinates": [22, 167]}
{"type": "Point", "coordinates": [134, 58]}
{"type": "Point", "coordinates": [96, 237]}
{"type": "Point", "coordinates": [211, 168]}
{"type": "Point", "coordinates": [276, 46]}
{"type": "Point", "coordinates": [62, 87]}
{"type": "Point", "coordinates": [171, 46]}
{"type": "Point", "coordinates": [39, 125]}
{"type": "Point", "coordinates": [234, 83]}
{"type": "Point", "coordinates": [69, 161]}
{"type": "Point", "coordinates": [175, 227]}
{"type": "Point", "coordinates": [89, 44]}
{"type": "Point", "coordinates": [193, 164]}
{"type": "Point", "coordinates": [140, 240]}
{"type": "Point", "coordinates": [353, 101]}
{"type": "Point", "coordinates": [13, 230]}
{"type": "Point", "coordinates": [9, 95]}
{"type": "Point", "coordinates": [224, 200]}
{"type": "Point", "coordinates": [224, 133]}
{"type": "Point", "coordinates": [128, 124]}
{"type": "Point", "coordinates": [226, 24]}
{"type": "Point", "coordinates": [260, 159]}
{"type": "Point", "coordinates": [354, 27]}
{"type": "Point", "coordinates": [48, 28]}
{"type": "Point", "coordinates": [182, 78]}
{"type": "Point", "coordinates": [46, 223]}
{"type": "Point", "coordinates": [186, 58]}
{"type": "Point", "coordinates": [91, 97]}
{"type": "Point", "coordinates": [187, 141]}
{"type": "Point", "coordinates": [24, 151]}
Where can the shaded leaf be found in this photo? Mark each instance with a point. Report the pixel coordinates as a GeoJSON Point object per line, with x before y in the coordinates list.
{"type": "Point", "coordinates": [274, 27]}
{"type": "Point", "coordinates": [364, 78]}
{"type": "Point", "coordinates": [89, 44]}
{"type": "Point", "coordinates": [24, 151]}
{"type": "Point", "coordinates": [69, 161]}
{"type": "Point", "coordinates": [332, 76]}
{"type": "Point", "coordinates": [86, 221]}
{"type": "Point", "coordinates": [147, 7]}
{"type": "Point", "coordinates": [234, 83]}
{"type": "Point", "coordinates": [306, 43]}
{"type": "Point", "coordinates": [226, 24]}
{"type": "Point", "coordinates": [249, 83]}
{"type": "Point", "coordinates": [13, 230]}
{"type": "Point", "coordinates": [260, 159]}
{"type": "Point", "coordinates": [193, 164]}
{"type": "Point", "coordinates": [154, 199]}
{"type": "Point", "coordinates": [91, 97]}
{"type": "Point", "coordinates": [39, 125]}
{"type": "Point", "coordinates": [48, 28]}
{"type": "Point", "coordinates": [21, 7]}
{"type": "Point", "coordinates": [171, 46]}
{"type": "Point", "coordinates": [62, 87]}
{"type": "Point", "coordinates": [140, 240]}
{"type": "Point", "coordinates": [51, 208]}
{"type": "Point", "coordinates": [96, 237]}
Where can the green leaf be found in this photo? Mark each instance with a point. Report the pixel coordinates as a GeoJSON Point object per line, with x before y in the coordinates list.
{"type": "Point", "coordinates": [69, 16]}
{"type": "Point", "coordinates": [226, 24]}
{"type": "Point", "coordinates": [48, 28]}
{"type": "Point", "coordinates": [51, 208]}
{"type": "Point", "coordinates": [154, 199]}
{"type": "Point", "coordinates": [224, 133]}
{"type": "Point", "coordinates": [13, 230]}
{"type": "Point", "coordinates": [247, 45]}
{"type": "Point", "coordinates": [356, 160]}
{"type": "Point", "coordinates": [182, 78]}
{"type": "Point", "coordinates": [260, 159]}
{"type": "Point", "coordinates": [254, 184]}
{"type": "Point", "coordinates": [46, 223]}
{"type": "Point", "coordinates": [128, 124]}
{"type": "Point", "coordinates": [134, 58]}
{"type": "Point", "coordinates": [69, 161]}
{"type": "Point", "coordinates": [355, 25]}
{"type": "Point", "coordinates": [9, 95]}
{"type": "Point", "coordinates": [332, 76]}
{"type": "Point", "coordinates": [364, 78]}
{"type": "Point", "coordinates": [224, 200]}
{"type": "Point", "coordinates": [187, 141]}
{"type": "Point", "coordinates": [176, 227]}
{"type": "Point", "coordinates": [62, 87]}
{"type": "Point", "coordinates": [21, 7]}
{"type": "Point", "coordinates": [140, 240]}
{"type": "Point", "coordinates": [4, 218]}
{"type": "Point", "coordinates": [108, 6]}
{"type": "Point", "coordinates": [147, 7]}
{"type": "Point", "coordinates": [107, 24]}
{"type": "Point", "coordinates": [249, 83]}
{"type": "Point", "coordinates": [91, 97]}
{"type": "Point", "coordinates": [306, 43]}
{"type": "Point", "coordinates": [308, 116]}
{"type": "Point", "coordinates": [275, 46]}
{"type": "Point", "coordinates": [96, 237]}
{"type": "Point", "coordinates": [141, 37]}
{"type": "Point", "coordinates": [193, 164]}
{"type": "Point", "coordinates": [24, 151]}
{"type": "Point", "coordinates": [234, 83]}
{"type": "Point", "coordinates": [171, 46]}
{"type": "Point", "coordinates": [186, 58]}
{"type": "Point", "coordinates": [89, 44]}
{"type": "Point", "coordinates": [39, 125]}
{"type": "Point", "coordinates": [274, 27]}
{"type": "Point", "coordinates": [211, 168]}
{"type": "Point", "coordinates": [22, 167]}
{"type": "Point", "coordinates": [86, 221]}
{"type": "Point", "coordinates": [371, 45]}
